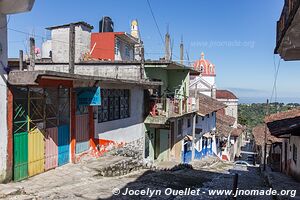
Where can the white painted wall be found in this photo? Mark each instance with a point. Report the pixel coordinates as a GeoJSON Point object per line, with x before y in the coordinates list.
{"type": "Point", "coordinates": [202, 85]}
{"type": "Point", "coordinates": [60, 43]}
{"type": "Point", "coordinates": [128, 129]}
{"type": "Point", "coordinates": [210, 79]}
{"type": "Point", "coordinates": [208, 124]}
{"type": "Point", "coordinates": [294, 167]}
{"type": "Point", "coordinates": [3, 97]}
{"type": "Point", "coordinates": [231, 109]}
{"type": "Point", "coordinates": [120, 55]}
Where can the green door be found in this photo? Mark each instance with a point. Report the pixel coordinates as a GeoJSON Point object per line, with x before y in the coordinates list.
{"type": "Point", "coordinates": [20, 127]}
{"type": "Point", "coordinates": [163, 145]}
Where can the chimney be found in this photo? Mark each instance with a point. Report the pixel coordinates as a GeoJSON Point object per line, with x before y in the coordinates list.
{"type": "Point", "coordinates": [167, 47]}
{"type": "Point", "coordinates": [181, 51]}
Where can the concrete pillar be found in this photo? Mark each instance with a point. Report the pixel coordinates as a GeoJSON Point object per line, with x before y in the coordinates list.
{"type": "Point", "coordinates": [3, 98]}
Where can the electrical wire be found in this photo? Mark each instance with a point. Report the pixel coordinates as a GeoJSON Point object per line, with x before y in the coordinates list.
{"type": "Point", "coordinates": [161, 37]}
{"type": "Point", "coordinates": [274, 90]}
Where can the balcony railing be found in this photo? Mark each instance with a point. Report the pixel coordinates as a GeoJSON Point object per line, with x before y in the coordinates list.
{"type": "Point", "coordinates": [172, 107]}
{"type": "Point", "coordinates": [288, 12]}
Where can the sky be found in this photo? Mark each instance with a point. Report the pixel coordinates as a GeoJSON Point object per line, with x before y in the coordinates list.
{"type": "Point", "coordinates": [238, 37]}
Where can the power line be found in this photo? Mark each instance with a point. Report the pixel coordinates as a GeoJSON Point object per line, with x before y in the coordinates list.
{"type": "Point", "coordinates": [155, 22]}
{"type": "Point", "coordinates": [274, 90]}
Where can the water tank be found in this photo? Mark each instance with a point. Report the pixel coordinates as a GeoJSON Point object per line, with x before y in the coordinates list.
{"type": "Point", "coordinates": [106, 25]}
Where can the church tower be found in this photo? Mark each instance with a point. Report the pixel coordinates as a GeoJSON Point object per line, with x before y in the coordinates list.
{"type": "Point", "coordinates": [206, 81]}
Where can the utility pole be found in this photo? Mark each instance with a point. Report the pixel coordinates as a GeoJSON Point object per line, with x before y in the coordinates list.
{"type": "Point", "coordinates": [32, 54]}
{"type": "Point", "coordinates": [193, 136]}
{"type": "Point", "coordinates": [71, 49]}
{"type": "Point", "coordinates": [266, 129]}
{"type": "Point", "coordinates": [21, 60]}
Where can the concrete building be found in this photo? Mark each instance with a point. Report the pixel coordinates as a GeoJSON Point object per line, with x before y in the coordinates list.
{"type": "Point", "coordinates": [207, 141]}
{"type": "Point", "coordinates": [224, 125]}
{"type": "Point", "coordinates": [229, 99]}
{"type": "Point", "coordinates": [274, 147]}
{"type": "Point", "coordinates": [7, 7]}
{"type": "Point", "coordinates": [113, 46]}
{"type": "Point", "coordinates": [65, 115]}
{"type": "Point", "coordinates": [60, 42]}
{"type": "Point", "coordinates": [169, 123]}
{"type": "Point", "coordinates": [285, 125]}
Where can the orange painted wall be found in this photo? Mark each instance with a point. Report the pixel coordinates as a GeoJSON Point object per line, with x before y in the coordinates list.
{"type": "Point", "coordinates": [9, 164]}
{"type": "Point", "coordinates": [105, 45]}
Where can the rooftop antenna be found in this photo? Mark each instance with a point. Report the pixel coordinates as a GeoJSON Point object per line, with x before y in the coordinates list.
{"type": "Point", "coordinates": [167, 45]}
{"type": "Point", "coordinates": [181, 50]}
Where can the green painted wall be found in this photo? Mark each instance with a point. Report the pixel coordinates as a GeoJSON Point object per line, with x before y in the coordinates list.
{"type": "Point", "coordinates": [172, 78]}
{"type": "Point", "coordinates": [158, 74]}
{"type": "Point", "coordinates": [163, 148]}
{"type": "Point", "coordinates": [179, 79]}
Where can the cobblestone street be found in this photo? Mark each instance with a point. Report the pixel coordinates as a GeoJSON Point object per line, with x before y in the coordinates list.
{"type": "Point", "coordinates": [84, 179]}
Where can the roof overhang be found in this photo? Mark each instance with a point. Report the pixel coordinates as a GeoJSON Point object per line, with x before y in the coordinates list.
{"type": "Point", "coordinates": [283, 127]}
{"type": "Point", "coordinates": [31, 78]}
{"type": "Point", "coordinates": [169, 65]}
{"type": "Point", "coordinates": [288, 28]}
{"type": "Point", "coordinates": [15, 6]}
{"type": "Point", "coordinates": [127, 37]}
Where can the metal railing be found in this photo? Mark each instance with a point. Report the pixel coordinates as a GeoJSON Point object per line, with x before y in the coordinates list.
{"type": "Point", "coordinates": [172, 107]}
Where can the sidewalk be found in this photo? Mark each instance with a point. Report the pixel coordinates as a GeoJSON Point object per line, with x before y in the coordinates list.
{"type": "Point", "coordinates": [280, 181]}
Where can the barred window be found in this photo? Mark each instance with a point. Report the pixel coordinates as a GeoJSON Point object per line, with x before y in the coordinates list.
{"type": "Point", "coordinates": [114, 105]}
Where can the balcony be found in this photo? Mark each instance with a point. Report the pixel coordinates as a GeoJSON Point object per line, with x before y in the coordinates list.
{"type": "Point", "coordinates": [163, 108]}
{"type": "Point", "coordinates": [287, 33]}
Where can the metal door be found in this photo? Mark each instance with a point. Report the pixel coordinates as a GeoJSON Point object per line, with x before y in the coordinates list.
{"type": "Point", "coordinates": [63, 144]}
{"type": "Point", "coordinates": [36, 152]}
{"type": "Point", "coordinates": [20, 131]}
{"type": "Point", "coordinates": [82, 133]}
{"type": "Point", "coordinates": [51, 148]}
{"type": "Point", "coordinates": [36, 143]}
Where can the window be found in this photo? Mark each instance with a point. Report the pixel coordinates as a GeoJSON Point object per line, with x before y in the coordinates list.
{"type": "Point", "coordinates": [114, 105]}
{"type": "Point", "coordinates": [202, 118]}
{"type": "Point", "coordinates": [197, 118]}
{"type": "Point", "coordinates": [127, 51]}
{"type": "Point", "coordinates": [189, 122]}
{"type": "Point", "coordinates": [295, 153]}
{"type": "Point", "coordinates": [179, 127]}
{"type": "Point", "coordinates": [117, 47]}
